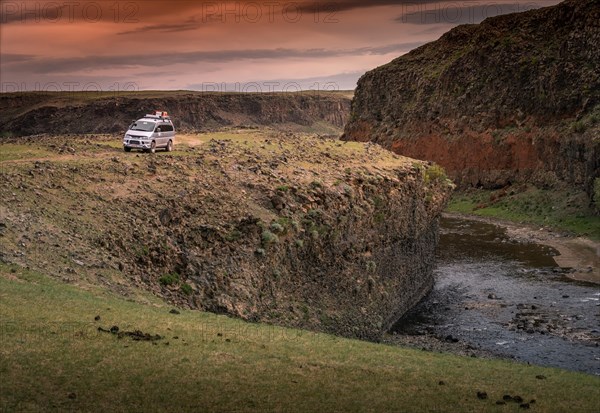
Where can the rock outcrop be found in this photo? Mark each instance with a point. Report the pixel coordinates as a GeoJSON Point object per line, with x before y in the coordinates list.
{"type": "Point", "coordinates": [515, 98]}
{"type": "Point", "coordinates": [88, 112]}
{"type": "Point", "coordinates": [290, 229]}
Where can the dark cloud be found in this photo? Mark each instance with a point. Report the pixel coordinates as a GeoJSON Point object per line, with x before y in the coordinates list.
{"type": "Point", "coordinates": [339, 81]}
{"type": "Point", "coordinates": [6, 58]}
{"type": "Point", "coordinates": [344, 5]}
{"type": "Point", "coordinates": [152, 12]}
{"type": "Point", "coordinates": [190, 24]}
{"type": "Point", "coordinates": [75, 64]}
{"type": "Point", "coordinates": [92, 11]}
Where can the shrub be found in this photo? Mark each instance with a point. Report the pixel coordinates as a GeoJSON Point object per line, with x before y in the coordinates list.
{"type": "Point", "coordinates": [277, 228]}
{"type": "Point", "coordinates": [305, 311]}
{"type": "Point", "coordinates": [417, 166]}
{"type": "Point", "coordinates": [295, 225]}
{"type": "Point", "coordinates": [169, 279]}
{"type": "Point", "coordinates": [143, 251]}
{"type": "Point", "coordinates": [314, 214]}
{"type": "Point", "coordinates": [186, 289]}
{"type": "Point", "coordinates": [233, 235]}
{"type": "Point", "coordinates": [371, 266]}
{"type": "Point", "coordinates": [579, 126]}
{"type": "Point", "coordinates": [435, 173]}
{"type": "Point", "coordinates": [378, 202]}
{"type": "Point", "coordinates": [268, 237]}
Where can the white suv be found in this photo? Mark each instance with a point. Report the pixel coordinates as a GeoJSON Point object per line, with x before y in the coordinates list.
{"type": "Point", "coordinates": [150, 133]}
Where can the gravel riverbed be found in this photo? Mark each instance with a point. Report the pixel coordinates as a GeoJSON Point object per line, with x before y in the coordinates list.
{"type": "Point", "coordinates": [500, 295]}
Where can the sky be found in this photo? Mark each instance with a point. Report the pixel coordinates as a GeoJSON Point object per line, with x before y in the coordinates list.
{"type": "Point", "coordinates": [246, 46]}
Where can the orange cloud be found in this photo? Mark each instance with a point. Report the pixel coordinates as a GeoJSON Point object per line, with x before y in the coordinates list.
{"type": "Point", "coordinates": [178, 44]}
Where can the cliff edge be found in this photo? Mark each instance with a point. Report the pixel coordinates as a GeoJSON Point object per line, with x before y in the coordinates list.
{"type": "Point", "coordinates": [513, 99]}
{"type": "Point", "coordinates": [296, 230]}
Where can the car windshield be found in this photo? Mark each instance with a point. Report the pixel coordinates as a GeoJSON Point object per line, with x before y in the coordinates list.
{"type": "Point", "coordinates": [143, 126]}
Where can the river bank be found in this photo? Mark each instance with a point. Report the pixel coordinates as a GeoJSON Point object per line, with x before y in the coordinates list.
{"type": "Point", "coordinates": [565, 209]}
{"type": "Point", "coordinates": [579, 256]}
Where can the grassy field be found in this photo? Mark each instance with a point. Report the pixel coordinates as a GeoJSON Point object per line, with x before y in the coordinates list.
{"type": "Point", "coordinates": [53, 358]}
{"type": "Point", "coordinates": [12, 152]}
{"type": "Point", "coordinates": [565, 209]}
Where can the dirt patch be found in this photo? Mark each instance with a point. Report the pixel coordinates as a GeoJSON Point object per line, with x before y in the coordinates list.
{"type": "Point", "coordinates": [190, 139]}
{"type": "Point", "coordinates": [135, 335]}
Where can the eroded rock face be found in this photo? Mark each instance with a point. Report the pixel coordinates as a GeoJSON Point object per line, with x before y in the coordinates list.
{"type": "Point", "coordinates": [294, 230]}
{"type": "Point", "coordinates": [515, 98]}
{"type": "Point", "coordinates": [37, 113]}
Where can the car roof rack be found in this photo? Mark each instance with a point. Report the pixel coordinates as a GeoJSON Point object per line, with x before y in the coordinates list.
{"type": "Point", "coordinates": [159, 114]}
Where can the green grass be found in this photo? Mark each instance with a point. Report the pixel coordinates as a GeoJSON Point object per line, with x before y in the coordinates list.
{"type": "Point", "coordinates": [54, 359]}
{"type": "Point", "coordinates": [567, 210]}
{"type": "Point", "coordinates": [12, 152]}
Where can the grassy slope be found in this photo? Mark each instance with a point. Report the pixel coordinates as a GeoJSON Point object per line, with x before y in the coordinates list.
{"type": "Point", "coordinates": [54, 359]}
{"type": "Point", "coordinates": [562, 209]}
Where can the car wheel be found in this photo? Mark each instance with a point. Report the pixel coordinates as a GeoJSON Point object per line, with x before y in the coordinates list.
{"type": "Point", "coordinates": [126, 149]}
{"type": "Point", "coordinates": [170, 146]}
{"type": "Point", "coordinates": [153, 147]}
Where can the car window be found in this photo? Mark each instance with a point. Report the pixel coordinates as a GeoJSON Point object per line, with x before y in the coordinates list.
{"type": "Point", "coordinates": [143, 126]}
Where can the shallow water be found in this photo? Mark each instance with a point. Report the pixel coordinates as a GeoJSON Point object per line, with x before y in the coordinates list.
{"type": "Point", "coordinates": [509, 299]}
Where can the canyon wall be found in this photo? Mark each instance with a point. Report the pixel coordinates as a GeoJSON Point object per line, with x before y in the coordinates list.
{"type": "Point", "coordinates": [513, 99]}
{"type": "Point", "coordinates": [88, 112]}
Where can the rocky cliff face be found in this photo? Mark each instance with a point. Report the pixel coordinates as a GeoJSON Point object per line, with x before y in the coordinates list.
{"type": "Point", "coordinates": [290, 229]}
{"type": "Point", "coordinates": [515, 98]}
{"type": "Point", "coordinates": [64, 113]}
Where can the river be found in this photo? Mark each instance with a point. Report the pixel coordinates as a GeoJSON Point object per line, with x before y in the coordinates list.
{"type": "Point", "coordinates": [509, 299]}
